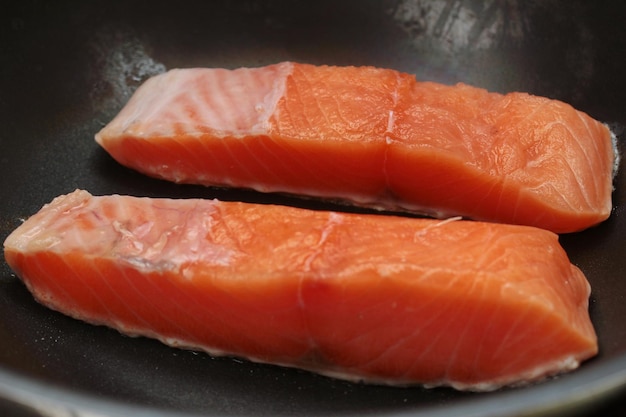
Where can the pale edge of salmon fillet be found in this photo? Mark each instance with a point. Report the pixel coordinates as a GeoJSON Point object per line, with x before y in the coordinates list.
{"type": "Point", "coordinates": [350, 296]}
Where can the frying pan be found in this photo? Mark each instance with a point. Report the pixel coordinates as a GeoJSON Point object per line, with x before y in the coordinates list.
{"type": "Point", "coordinates": [68, 67]}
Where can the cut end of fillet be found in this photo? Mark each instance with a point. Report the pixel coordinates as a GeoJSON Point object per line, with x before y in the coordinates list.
{"type": "Point", "coordinates": [465, 304]}
{"type": "Point", "coordinates": [232, 103]}
{"type": "Point", "coordinates": [371, 137]}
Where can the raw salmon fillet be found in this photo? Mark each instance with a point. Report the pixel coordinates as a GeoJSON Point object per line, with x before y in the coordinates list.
{"type": "Point", "coordinates": [371, 137]}
{"type": "Point", "coordinates": [381, 299]}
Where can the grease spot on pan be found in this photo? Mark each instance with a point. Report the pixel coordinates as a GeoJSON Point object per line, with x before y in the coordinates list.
{"type": "Point", "coordinates": [124, 64]}
{"type": "Point", "coordinates": [463, 40]}
{"type": "Point", "coordinates": [455, 26]}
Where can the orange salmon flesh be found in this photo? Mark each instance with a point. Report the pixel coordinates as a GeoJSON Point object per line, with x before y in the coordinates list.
{"type": "Point", "coordinates": [371, 137]}
{"type": "Point", "coordinates": [381, 299]}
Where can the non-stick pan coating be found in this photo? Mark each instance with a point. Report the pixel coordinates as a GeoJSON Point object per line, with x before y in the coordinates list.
{"type": "Point", "coordinates": [68, 67]}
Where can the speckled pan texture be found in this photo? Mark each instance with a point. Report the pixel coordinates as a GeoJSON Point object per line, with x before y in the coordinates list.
{"type": "Point", "coordinates": [69, 67]}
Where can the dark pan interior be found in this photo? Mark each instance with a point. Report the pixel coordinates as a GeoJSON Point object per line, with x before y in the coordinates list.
{"type": "Point", "coordinates": [68, 67]}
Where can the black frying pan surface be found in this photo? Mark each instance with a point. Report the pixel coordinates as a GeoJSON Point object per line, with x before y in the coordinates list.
{"type": "Point", "coordinates": [68, 67]}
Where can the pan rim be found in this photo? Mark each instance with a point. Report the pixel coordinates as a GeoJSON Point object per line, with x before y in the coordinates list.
{"type": "Point", "coordinates": [579, 391]}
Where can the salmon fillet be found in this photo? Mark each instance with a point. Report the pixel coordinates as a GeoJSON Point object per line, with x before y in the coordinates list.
{"type": "Point", "coordinates": [381, 299]}
{"type": "Point", "coordinates": [371, 137]}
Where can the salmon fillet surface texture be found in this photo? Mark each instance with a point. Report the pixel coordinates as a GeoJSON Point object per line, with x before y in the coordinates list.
{"type": "Point", "coordinates": [371, 137]}
{"type": "Point", "coordinates": [380, 299]}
